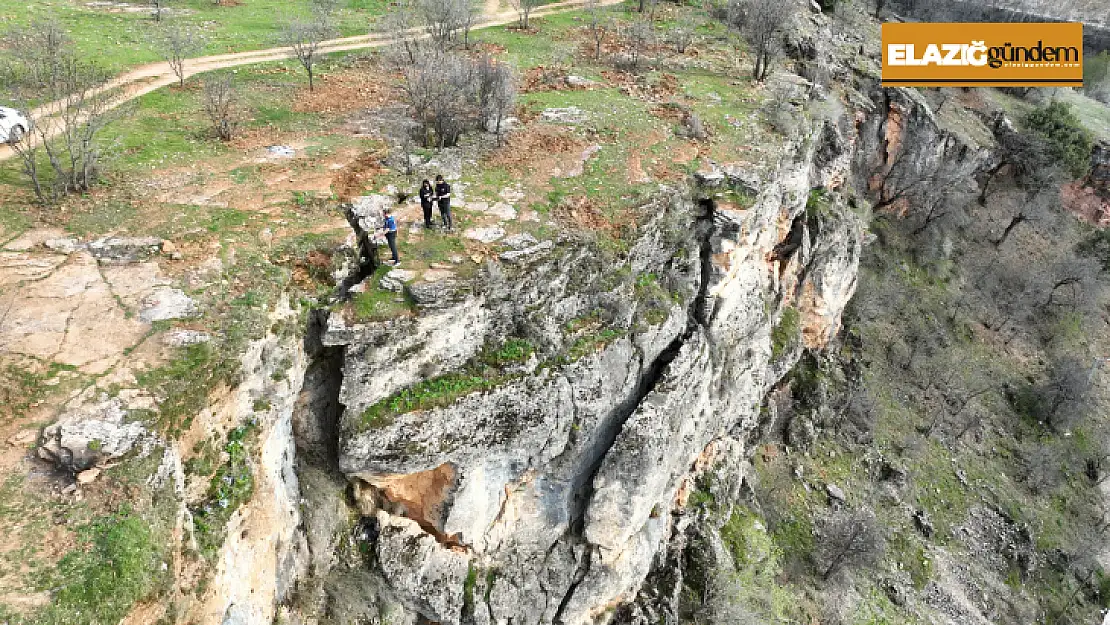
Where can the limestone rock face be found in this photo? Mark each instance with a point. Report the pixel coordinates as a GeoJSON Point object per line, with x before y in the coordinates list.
{"type": "Point", "coordinates": [265, 552]}
{"type": "Point", "coordinates": [545, 493]}
{"type": "Point", "coordinates": [425, 574]}
{"type": "Point", "coordinates": [491, 483]}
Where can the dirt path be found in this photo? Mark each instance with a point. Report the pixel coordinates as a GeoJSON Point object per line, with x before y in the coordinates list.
{"type": "Point", "coordinates": [146, 78]}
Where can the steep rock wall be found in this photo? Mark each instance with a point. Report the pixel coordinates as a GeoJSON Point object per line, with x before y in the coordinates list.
{"type": "Point", "coordinates": [546, 498]}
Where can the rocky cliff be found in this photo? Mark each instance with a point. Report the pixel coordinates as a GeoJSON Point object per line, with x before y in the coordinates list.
{"type": "Point", "coordinates": [522, 450]}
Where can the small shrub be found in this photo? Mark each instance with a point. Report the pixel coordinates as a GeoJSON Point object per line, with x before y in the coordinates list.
{"type": "Point", "coordinates": [512, 351]}
{"type": "Point", "coordinates": [592, 344]}
{"type": "Point", "coordinates": [1066, 138]}
{"type": "Point", "coordinates": [848, 539]}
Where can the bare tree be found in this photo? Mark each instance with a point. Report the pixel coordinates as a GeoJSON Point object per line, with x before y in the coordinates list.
{"type": "Point", "coordinates": [65, 137]}
{"type": "Point", "coordinates": [61, 152]}
{"type": "Point", "coordinates": [524, 11]}
{"type": "Point", "coordinates": [914, 179]}
{"type": "Point", "coordinates": [598, 25]}
{"type": "Point", "coordinates": [682, 34]}
{"type": "Point", "coordinates": [848, 538]}
{"type": "Point", "coordinates": [468, 15]}
{"type": "Point", "coordinates": [304, 36]}
{"type": "Point", "coordinates": [719, 605]}
{"type": "Point", "coordinates": [220, 105]}
{"type": "Point", "coordinates": [1063, 398]}
{"type": "Point", "coordinates": [158, 6]}
{"type": "Point", "coordinates": [324, 7]}
{"type": "Point", "coordinates": [1041, 465]}
{"type": "Point", "coordinates": [640, 35]}
{"type": "Point", "coordinates": [442, 97]}
{"type": "Point", "coordinates": [761, 22]}
{"type": "Point", "coordinates": [176, 42]}
{"type": "Point", "coordinates": [1035, 208]}
{"type": "Point", "coordinates": [442, 19]}
{"type": "Point", "coordinates": [400, 25]}
{"type": "Point", "coordinates": [496, 93]}
{"type": "Point", "coordinates": [1029, 161]}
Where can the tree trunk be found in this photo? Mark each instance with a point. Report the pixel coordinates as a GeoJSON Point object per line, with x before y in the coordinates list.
{"type": "Point", "coordinates": [311, 85]}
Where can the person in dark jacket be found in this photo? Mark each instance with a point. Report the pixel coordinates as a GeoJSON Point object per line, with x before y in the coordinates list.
{"type": "Point", "coordinates": [390, 227]}
{"type": "Point", "coordinates": [443, 194]}
{"type": "Point", "coordinates": [427, 194]}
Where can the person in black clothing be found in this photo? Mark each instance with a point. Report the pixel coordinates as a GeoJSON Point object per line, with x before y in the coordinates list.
{"type": "Point", "coordinates": [427, 193]}
{"type": "Point", "coordinates": [443, 194]}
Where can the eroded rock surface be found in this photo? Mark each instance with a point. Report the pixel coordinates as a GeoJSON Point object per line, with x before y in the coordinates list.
{"type": "Point", "coordinates": [545, 496]}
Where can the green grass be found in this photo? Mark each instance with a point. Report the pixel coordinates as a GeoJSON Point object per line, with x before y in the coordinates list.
{"type": "Point", "coordinates": [490, 368]}
{"type": "Point", "coordinates": [757, 558]}
{"type": "Point", "coordinates": [468, 588]}
{"type": "Point", "coordinates": [378, 304]}
{"type": "Point", "coordinates": [229, 488]}
{"type": "Point", "coordinates": [26, 385]}
{"type": "Point", "coordinates": [592, 343]}
{"type": "Point", "coordinates": [786, 332]}
{"type": "Point", "coordinates": [434, 393]}
{"type": "Point", "coordinates": [184, 383]}
{"type": "Point", "coordinates": [207, 457]}
{"type": "Point", "coordinates": [120, 40]}
{"type": "Point", "coordinates": [119, 563]}
{"type": "Point", "coordinates": [511, 351]}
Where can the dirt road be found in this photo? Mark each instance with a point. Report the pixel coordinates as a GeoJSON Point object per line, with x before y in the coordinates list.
{"type": "Point", "coordinates": [146, 78]}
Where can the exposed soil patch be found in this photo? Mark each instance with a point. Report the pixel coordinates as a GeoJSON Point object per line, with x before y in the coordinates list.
{"type": "Point", "coordinates": [536, 140]}
{"type": "Point", "coordinates": [637, 86]}
{"type": "Point", "coordinates": [358, 88]}
{"type": "Point", "coordinates": [585, 214]}
{"type": "Point", "coordinates": [1085, 203]}
{"type": "Point", "coordinates": [548, 78]}
{"type": "Point", "coordinates": [421, 494]}
{"type": "Point", "coordinates": [355, 177]}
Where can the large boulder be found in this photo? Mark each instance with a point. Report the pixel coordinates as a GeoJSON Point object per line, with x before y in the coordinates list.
{"type": "Point", "coordinates": [90, 435]}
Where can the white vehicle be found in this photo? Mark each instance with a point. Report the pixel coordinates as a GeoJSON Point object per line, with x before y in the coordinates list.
{"type": "Point", "coordinates": [12, 125]}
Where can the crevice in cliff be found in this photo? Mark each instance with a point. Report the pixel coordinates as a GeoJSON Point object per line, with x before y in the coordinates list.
{"type": "Point", "coordinates": [698, 315]}
{"type": "Point", "coordinates": [367, 254]}
{"type": "Point", "coordinates": [317, 411]}
{"type": "Point", "coordinates": [705, 229]}
{"type": "Point", "coordinates": [579, 576]}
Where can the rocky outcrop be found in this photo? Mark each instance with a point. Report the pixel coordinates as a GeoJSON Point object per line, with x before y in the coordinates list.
{"type": "Point", "coordinates": [265, 551]}
{"type": "Point", "coordinates": [546, 493]}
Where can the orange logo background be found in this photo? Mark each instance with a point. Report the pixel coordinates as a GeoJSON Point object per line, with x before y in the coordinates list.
{"type": "Point", "coordinates": [977, 54]}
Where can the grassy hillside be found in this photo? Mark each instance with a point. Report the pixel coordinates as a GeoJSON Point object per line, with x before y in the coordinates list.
{"type": "Point", "coordinates": [119, 34]}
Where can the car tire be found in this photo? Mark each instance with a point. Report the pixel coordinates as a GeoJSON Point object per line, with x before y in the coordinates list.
{"type": "Point", "coordinates": [16, 134]}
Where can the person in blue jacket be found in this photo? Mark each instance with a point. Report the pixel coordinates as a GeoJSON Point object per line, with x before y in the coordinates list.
{"type": "Point", "coordinates": [390, 227]}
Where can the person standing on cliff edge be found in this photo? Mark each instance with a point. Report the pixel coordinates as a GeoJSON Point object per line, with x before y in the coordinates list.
{"type": "Point", "coordinates": [427, 196]}
{"type": "Point", "coordinates": [389, 226]}
{"type": "Point", "coordinates": [443, 194]}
